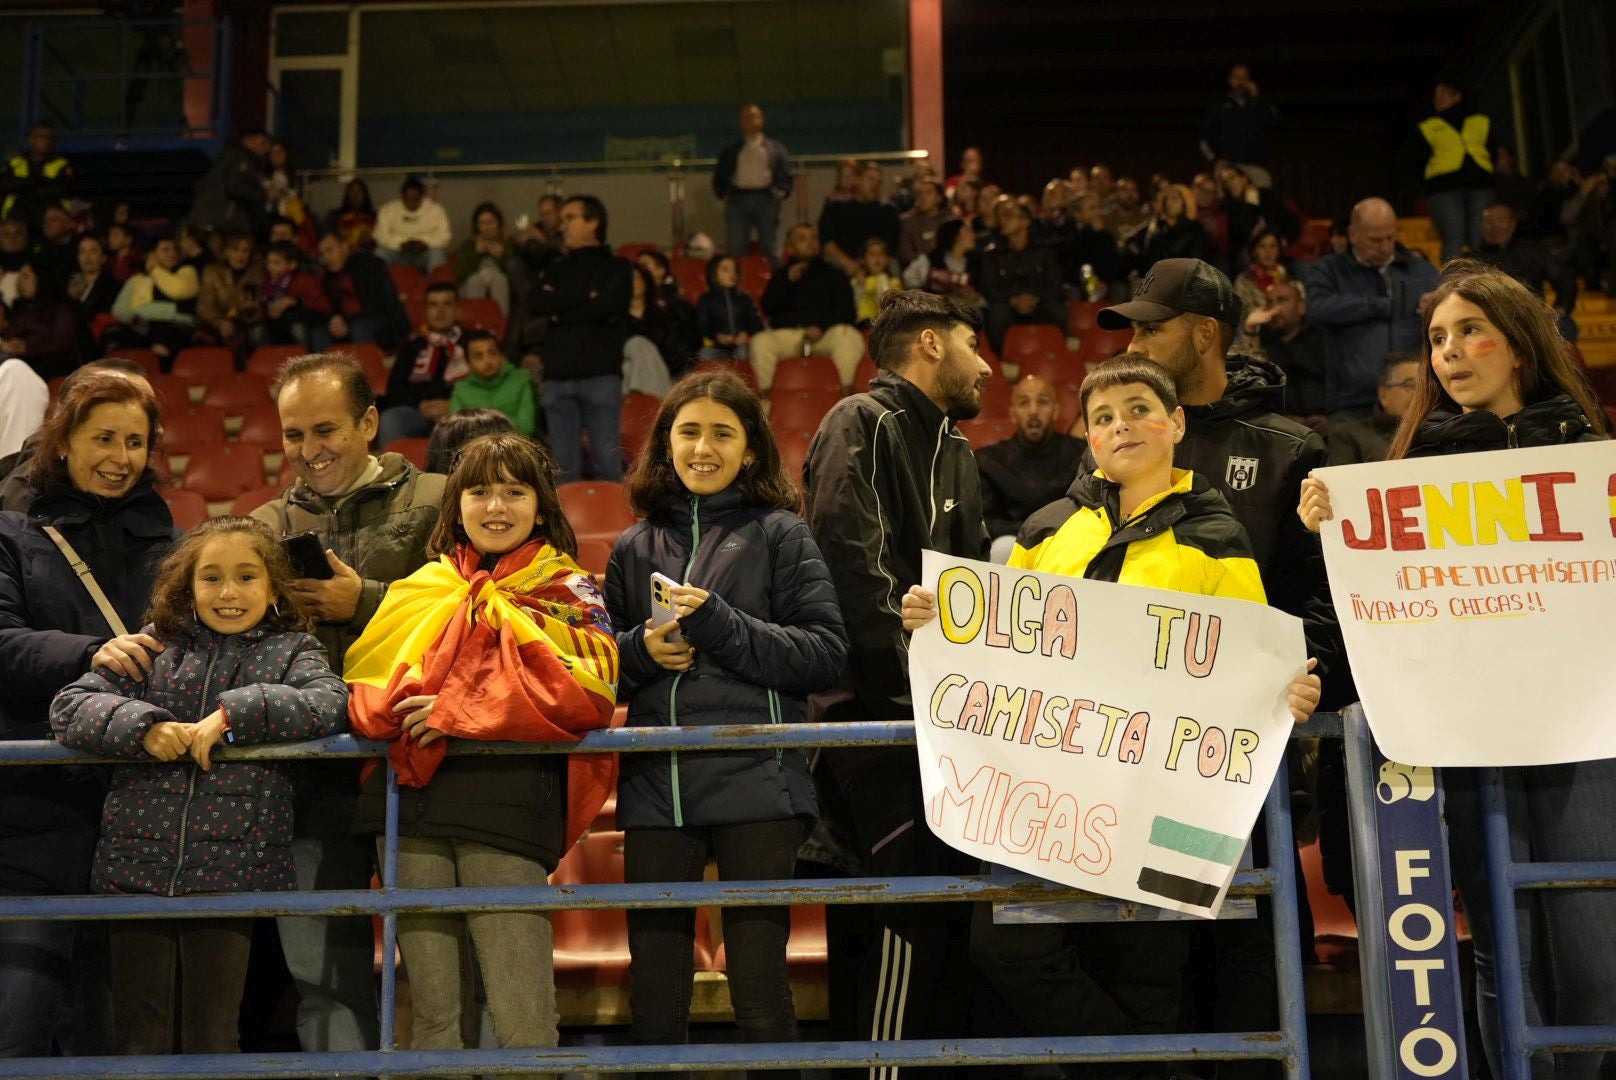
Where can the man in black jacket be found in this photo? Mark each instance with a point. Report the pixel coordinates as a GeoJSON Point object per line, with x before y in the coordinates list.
{"type": "Point", "coordinates": [1526, 259]}
{"type": "Point", "coordinates": [889, 475]}
{"type": "Point", "coordinates": [419, 384]}
{"type": "Point", "coordinates": [364, 301]}
{"type": "Point", "coordinates": [1021, 280]}
{"type": "Point", "coordinates": [1029, 470]}
{"type": "Point", "coordinates": [231, 192]}
{"type": "Point", "coordinates": [809, 305]}
{"type": "Point", "coordinates": [585, 296]}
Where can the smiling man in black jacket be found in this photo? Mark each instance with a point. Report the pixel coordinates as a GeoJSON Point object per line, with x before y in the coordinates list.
{"type": "Point", "coordinates": [889, 475]}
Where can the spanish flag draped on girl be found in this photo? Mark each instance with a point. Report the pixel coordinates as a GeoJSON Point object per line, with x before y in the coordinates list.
{"type": "Point", "coordinates": [522, 653]}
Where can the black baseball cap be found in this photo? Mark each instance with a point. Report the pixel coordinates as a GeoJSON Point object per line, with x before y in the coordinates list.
{"type": "Point", "coordinates": [1173, 287]}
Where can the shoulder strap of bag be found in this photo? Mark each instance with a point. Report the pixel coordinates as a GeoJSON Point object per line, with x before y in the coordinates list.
{"type": "Point", "coordinates": [93, 587]}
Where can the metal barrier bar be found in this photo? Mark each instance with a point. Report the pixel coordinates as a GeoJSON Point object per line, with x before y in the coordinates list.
{"type": "Point", "coordinates": [1288, 1046]}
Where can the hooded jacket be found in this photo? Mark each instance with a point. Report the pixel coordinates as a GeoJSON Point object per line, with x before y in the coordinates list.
{"type": "Point", "coordinates": [768, 635]}
{"type": "Point", "coordinates": [888, 475]}
{"type": "Point", "coordinates": [49, 630]}
{"type": "Point", "coordinates": [169, 828]}
{"type": "Point", "coordinates": [1551, 421]}
{"type": "Point", "coordinates": [1367, 316]}
{"type": "Point", "coordinates": [1185, 539]}
{"type": "Point", "coordinates": [725, 311]}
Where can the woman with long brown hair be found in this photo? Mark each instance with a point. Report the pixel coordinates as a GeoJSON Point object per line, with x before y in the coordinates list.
{"type": "Point", "coordinates": [1499, 376]}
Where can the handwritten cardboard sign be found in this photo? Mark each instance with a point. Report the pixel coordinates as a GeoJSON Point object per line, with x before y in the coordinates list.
{"type": "Point", "coordinates": [1476, 593]}
{"type": "Point", "coordinates": [1105, 736]}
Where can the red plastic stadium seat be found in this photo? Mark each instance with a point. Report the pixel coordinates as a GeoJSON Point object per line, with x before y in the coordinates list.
{"type": "Point", "coordinates": [237, 393]}
{"type": "Point", "coordinates": [484, 312]}
{"type": "Point", "coordinates": [188, 508]}
{"type": "Point", "coordinates": [597, 508]}
{"type": "Point", "coordinates": [225, 471]}
{"type": "Point", "coordinates": [370, 358]}
{"type": "Point", "coordinates": [147, 359]}
{"type": "Point", "coordinates": [807, 950]}
{"type": "Point", "coordinates": [1032, 339]}
{"type": "Point", "coordinates": [817, 373]}
{"type": "Point", "coordinates": [755, 274]}
{"type": "Point", "coordinates": [267, 360]}
{"type": "Point", "coordinates": [443, 273]}
{"type": "Point", "coordinates": [173, 393]}
{"type": "Point", "coordinates": [415, 310]}
{"type": "Point", "coordinates": [406, 278]}
{"type": "Point", "coordinates": [414, 450]}
{"type": "Point", "coordinates": [639, 413]}
{"type": "Point", "coordinates": [995, 399]}
{"type": "Point", "coordinates": [1053, 369]}
{"type": "Point", "coordinates": [261, 426]}
{"type": "Point", "coordinates": [591, 945]}
{"type": "Point", "coordinates": [1101, 344]}
{"type": "Point", "coordinates": [691, 274]}
{"type": "Point", "coordinates": [794, 452]}
{"type": "Point", "coordinates": [1080, 316]}
{"type": "Point", "coordinates": [985, 431]}
{"type": "Point", "coordinates": [1335, 931]}
{"type": "Point", "coordinates": [742, 369]}
{"type": "Point", "coordinates": [864, 374]}
{"type": "Point", "coordinates": [193, 425]}
{"type": "Point", "coordinates": [201, 365]}
{"type": "Point", "coordinates": [634, 251]}
{"type": "Point", "coordinates": [801, 410]}
{"type": "Point", "coordinates": [593, 554]}
{"type": "Point", "coordinates": [249, 501]}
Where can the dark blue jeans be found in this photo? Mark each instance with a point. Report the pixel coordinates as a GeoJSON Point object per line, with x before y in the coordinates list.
{"type": "Point", "coordinates": [401, 422]}
{"type": "Point", "coordinates": [1457, 217]}
{"type": "Point", "coordinates": [595, 405]}
{"type": "Point", "coordinates": [35, 961]}
{"type": "Point", "coordinates": [362, 330]}
{"type": "Point", "coordinates": [746, 211]}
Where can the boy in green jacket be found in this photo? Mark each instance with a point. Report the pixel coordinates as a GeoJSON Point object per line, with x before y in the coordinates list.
{"type": "Point", "coordinates": [494, 383]}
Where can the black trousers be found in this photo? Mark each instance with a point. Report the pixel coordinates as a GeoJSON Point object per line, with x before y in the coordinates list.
{"type": "Point", "coordinates": [661, 941]}
{"type": "Point", "coordinates": [184, 974]}
{"type": "Point", "coordinates": [1001, 317]}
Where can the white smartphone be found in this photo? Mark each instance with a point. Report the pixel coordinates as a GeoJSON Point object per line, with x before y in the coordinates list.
{"type": "Point", "coordinates": [662, 611]}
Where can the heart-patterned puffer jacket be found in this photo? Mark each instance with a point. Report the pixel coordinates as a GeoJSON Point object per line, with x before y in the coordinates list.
{"type": "Point", "coordinates": [170, 828]}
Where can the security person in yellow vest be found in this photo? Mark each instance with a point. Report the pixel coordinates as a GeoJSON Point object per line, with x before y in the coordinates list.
{"type": "Point", "coordinates": [1459, 169]}
{"type": "Point", "coordinates": [36, 179]}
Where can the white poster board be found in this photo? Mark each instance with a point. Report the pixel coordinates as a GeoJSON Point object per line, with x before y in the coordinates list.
{"type": "Point", "coordinates": [1476, 593]}
{"type": "Point", "coordinates": [1117, 739]}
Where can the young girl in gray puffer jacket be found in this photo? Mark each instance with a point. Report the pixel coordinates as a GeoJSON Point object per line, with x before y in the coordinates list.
{"type": "Point", "coordinates": [233, 663]}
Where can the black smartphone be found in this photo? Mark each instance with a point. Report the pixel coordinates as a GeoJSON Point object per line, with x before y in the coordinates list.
{"type": "Point", "coordinates": [307, 555]}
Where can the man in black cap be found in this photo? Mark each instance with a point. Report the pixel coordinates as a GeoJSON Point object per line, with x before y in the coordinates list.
{"type": "Point", "coordinates": [1184, 316]}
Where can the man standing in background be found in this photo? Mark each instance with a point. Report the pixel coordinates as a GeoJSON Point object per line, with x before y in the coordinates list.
{"type": "Point", "coordinates": [752, 179]}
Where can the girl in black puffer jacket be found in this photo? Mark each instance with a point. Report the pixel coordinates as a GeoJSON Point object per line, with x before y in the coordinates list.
{"type": "Point", "coordinates": [1500, 377]}
{"type": "Point", "coordinates": [758, 630]}
{"type": "Point", "coordinates": [237, 666]}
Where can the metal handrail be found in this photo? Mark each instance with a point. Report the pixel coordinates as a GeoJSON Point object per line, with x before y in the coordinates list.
{"type": "Point", "coordinates": [439, 170]}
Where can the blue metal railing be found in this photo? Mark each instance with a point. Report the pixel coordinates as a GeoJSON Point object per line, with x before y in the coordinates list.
{"type": "Point", "coordinates": [1518, 1039]}
{"type": "Point", "coordinates": [1287, 1045]}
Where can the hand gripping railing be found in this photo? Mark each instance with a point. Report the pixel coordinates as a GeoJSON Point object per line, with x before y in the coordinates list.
{"type": "Point", "coordinates": [1287, 1045]}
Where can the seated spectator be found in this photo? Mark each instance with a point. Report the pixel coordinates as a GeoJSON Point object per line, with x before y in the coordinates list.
{"type": "Point", "coordinates": [1029, 470]}
{"type": "Point", "coordinates": [1020, 280]}
{"type": "Point", "coordinates": [1354, 442]}
{"type": "Point", "coordinates": [847, 224]}
{"type": "Point", "coordinates": [809, 306]}
{"type": "Point", "coordinates": [493, 382]}
{"type": "Point", "coordinates": [1590, 220]}
{"type": "Point", "coordinates": [41, 326]}
{"type": "Point", "coordinates": [682, 338]}
{"type": "Point", "coordinates": [1209, 212]}
{"type": "Point", "coordinates": [584, 295]}
{"type": "Point", "coordinates": [291, 298]}
{"type": "Point", "coordinates": [1103, 184]}
{"type": "Point", "coordinates": [645, 371]}
{"type": "Point", "coordinates": [1054, 223]}
{"type": "Point", "coordinates": [23, 399]}
{"type": "Point", "coordinates": [355, 219]}
{"type": "Point", "coordinates": [231, 192]}
{"type": "Point", "coordinates": [413, 229]}
{"type": "Point", "coordinates": [58, 245]}
{"type": "Point", "coordinates": [1367, 301]}
{"type": "Point", "coordinates": [93, 289]}
{"type": "Point", "coordinates": [479, 262]}
{"type": "Point", "coordinates": [1266, 269]}
{"type": "Point", "coordinates": [903, 189]}
{"type": "Point", "coordinates": [1300, 350]}
{"type": "Point", "coordinates": [848, 171]}
{"type": "Point", "coordinates": [125, 259]}
{"type": "Point", "coordinates": [951, 268]}
{"type": "Point", "coordinates": [726, 316]}
{"type": "Point", "coordinates": [15, 249]}
{"type": "Point", "coordinates": [363, 299]}
{"type": "Point", "coordinates": [199, 246]}
{"type": "Point", "coordinates": [1130, 214]}
{"type": "Point", "coordinates": [986, 218]}
{"type": "Point", "coordinates": [1527, 261]}
{"type": "Point", "coordinates": [1171, 234]}
{"type": "Point", "coordinates": [1511, 188]}
{"type": "Point", "coordinates": [1090, 244]}
{"type": "Point", "coordinates": [1251, 209]}
{"type": "Point", "coordinates": [917, 227]}
{"type": "Point", "coordinates": [157, 309]}
{"type": "Point", "coordinates": [970, 171]}
{"type": "Point", "coordinates": [36, 178]}
{"type": "Point", "coordinates": [456, 430]}
{"type": "Point", "coordinates": [1547, 221]}
{"type": "Point", "coordinates": [427, 366]}
{"type": "Point", "coordinates": [873, 279]}
{"type": "Point", "coordinates": [962, 200]}
{"type": "Point", "coordinates": [229, 311]}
